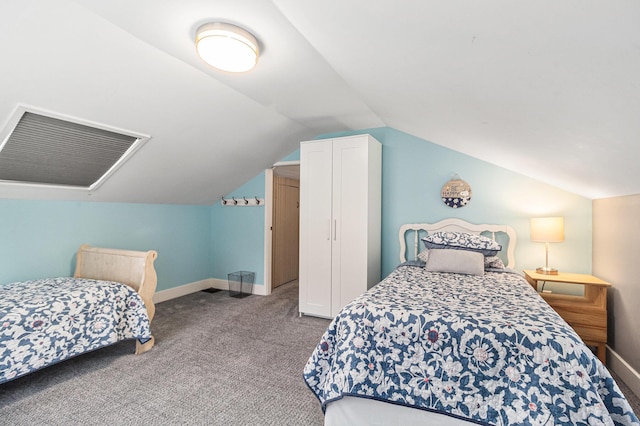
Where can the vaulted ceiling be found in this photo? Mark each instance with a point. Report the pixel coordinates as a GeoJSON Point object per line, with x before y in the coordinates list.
{"type": "Point", "coordinates": [546, 88]}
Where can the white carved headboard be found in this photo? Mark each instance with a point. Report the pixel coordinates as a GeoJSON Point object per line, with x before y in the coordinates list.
{"type": "Point", "coordinates": [455, 225]}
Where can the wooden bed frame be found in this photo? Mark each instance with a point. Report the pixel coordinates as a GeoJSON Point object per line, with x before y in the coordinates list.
{"type": "Point", "coordinates": [133, 268]}
{"type": "Point", "coordinates": [456, 225]}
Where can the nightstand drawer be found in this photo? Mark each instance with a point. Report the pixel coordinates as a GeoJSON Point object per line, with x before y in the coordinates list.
{"type": "Point", "coordinates": [590, 334]}
{"type": "Point", "coordinates": [580, 313]}
{"type": "Point", "coordinates": [587, 315]}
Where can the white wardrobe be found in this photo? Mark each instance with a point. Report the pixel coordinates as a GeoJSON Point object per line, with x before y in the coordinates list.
{"type": "Point", "coordinates": [340, 221]}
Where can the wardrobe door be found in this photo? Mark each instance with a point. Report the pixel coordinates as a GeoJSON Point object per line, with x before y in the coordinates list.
{"type": "Point", "coordinates": [350, 221]}
{"type": "Point", "coordinates": [315, 228]}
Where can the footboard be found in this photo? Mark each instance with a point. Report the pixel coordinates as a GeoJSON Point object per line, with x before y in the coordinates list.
{"type": "Point", "coordinates": [133, 268]}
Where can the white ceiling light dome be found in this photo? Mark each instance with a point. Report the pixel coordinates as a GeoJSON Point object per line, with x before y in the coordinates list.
{"type": "Point", "coordinates": [227, 47]}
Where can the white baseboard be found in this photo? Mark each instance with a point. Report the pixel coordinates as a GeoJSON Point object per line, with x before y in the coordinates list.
{"type": "Point", "coordinates": [627, 373]}
{"type": "Point", "coordinates": [181, 290]}
{"type": "Point", "coordinates": [193, 287]}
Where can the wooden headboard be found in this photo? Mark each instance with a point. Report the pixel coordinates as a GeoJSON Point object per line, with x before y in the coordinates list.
{"type": "Point", "coordinates": [133, 268]}
{"type": "Point", "coordinates": [456, 225]}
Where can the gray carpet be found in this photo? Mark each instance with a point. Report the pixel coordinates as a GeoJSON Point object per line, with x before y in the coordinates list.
{"type": "Point", "coordinates": [218, 360]}
{"type": "Point", "coordinates": [633, 399]}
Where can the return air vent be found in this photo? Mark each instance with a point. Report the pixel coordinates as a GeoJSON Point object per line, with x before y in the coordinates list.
{"type": "Point", "coordinates": [50, 150]}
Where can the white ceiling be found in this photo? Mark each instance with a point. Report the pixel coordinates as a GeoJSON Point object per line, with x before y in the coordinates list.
{"type": "Point", "coordinates": [546, 88]}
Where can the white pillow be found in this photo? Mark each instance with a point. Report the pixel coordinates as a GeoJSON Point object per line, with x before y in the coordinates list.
{"type": "Point", "coordinates": [456, 261]}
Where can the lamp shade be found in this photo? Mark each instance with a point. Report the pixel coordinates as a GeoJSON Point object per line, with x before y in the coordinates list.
{"type": "Point", "coordinates": [547, 229]}
{"type": "Point", "coordinates": [227, 47]}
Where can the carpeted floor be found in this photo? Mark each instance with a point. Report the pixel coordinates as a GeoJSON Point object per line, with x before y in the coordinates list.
{"type": "Point", "coordinates": [217, 361]}
{"type": "Point", "coordinates": [633, 399]}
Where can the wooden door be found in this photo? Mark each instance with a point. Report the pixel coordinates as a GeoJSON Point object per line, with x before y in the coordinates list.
{"type": "Point", "coordinates": [285, 234]}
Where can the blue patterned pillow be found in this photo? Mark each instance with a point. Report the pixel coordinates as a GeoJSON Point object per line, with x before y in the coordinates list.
{"type": "Point", "coordinates": [461, 241]}
{"type": "Point", "coordinates": [493, 262]}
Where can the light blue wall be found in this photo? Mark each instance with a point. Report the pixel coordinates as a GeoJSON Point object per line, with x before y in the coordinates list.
{"type": "Point", "coordinates": [413, 173]}
{"type": "Point", "coordinates": [40, 238]}
{"type": "Point", "coordinates": [237, 234]}
{"type": "Point", "coordinates": [237, 238]}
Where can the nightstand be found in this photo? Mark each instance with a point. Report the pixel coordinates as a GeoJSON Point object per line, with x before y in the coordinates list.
{"type": "Point", "coordinates": [586, 314]}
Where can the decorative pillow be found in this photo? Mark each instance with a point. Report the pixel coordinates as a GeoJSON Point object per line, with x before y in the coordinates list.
{"type": "Point", "coordinates": [462, 241]}
{"type": "Point", "coordinates": [423, 255]}
{"type": "Point", "coordinates": [493, 262]}
{"type": "Point", "coordinates": [456, 261]}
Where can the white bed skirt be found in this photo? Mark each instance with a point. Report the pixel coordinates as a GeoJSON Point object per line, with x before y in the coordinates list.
{"type": "Point", "coordinates": [354, 411]}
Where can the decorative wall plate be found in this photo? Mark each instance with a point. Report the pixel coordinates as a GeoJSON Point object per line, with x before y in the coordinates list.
{"type": "Point", "coordinates": [456, 193]}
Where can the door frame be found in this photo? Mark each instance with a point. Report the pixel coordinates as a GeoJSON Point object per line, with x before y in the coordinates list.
{"type": "Point", "coordinates": [268, 221]}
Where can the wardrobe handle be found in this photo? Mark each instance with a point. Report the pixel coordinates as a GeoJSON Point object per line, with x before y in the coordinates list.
{"type": "Point", "coordinates": [335, 228]}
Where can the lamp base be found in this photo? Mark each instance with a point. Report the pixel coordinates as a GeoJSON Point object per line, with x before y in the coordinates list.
{"type": "Point", "coordinates": [545, 270]}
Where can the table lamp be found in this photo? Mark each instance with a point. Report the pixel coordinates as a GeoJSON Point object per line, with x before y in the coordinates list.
{"type": "Point", "coordinates": [547, 230]}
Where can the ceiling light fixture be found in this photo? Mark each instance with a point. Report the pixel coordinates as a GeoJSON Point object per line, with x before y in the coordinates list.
{"type": "Point", "coordinates": [227, 47]}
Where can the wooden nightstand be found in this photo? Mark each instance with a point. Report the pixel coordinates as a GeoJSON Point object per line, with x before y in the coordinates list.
{"type": "Point", "coordinates": [586, 314]}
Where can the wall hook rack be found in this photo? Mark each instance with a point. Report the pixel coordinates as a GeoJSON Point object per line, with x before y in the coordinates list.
{"type": "Point", "coordinates": [242, 201]}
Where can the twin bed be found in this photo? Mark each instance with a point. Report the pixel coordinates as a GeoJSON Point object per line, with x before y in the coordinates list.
{"type": "Point", "coordinates": [455, 336]}
{"type": "Point", "coordinates": [109, 299]}
{"type": "Point", "coordinates": [449, 337]}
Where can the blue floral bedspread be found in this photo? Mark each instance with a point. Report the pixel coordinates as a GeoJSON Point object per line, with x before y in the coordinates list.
{"type": "Point", "coordinates": [486, 349]}
{"type": "Point", "coordinates": [46, 321]}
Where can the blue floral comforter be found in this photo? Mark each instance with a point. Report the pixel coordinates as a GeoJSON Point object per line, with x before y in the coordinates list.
{"type": "Point", "coordinates": [46, 321]}
{"type": "Point", "coordinates": [487, 349]}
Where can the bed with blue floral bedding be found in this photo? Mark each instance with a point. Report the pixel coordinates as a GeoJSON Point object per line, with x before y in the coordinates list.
{"type": "Point", "coordinates": [43, 322]}
{"type": "Point", "coordinates": [482, 348]}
